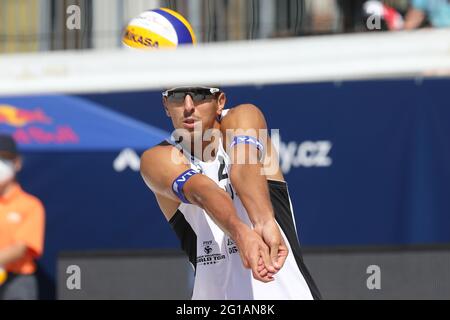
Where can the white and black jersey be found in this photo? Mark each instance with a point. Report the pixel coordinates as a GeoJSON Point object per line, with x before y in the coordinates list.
{"type": "Point", "coordinates": [219, 272]}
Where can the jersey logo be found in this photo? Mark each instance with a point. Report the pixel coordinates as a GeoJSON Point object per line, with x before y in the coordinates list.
{"type": "Point", "coordinates": [207, 249]}
{"type": "Point", "coordinates": [232, 248]}
{"type": "Point", "coordinates": [14, 217]}
{"type": "Point", "coordinates": [212, 253]}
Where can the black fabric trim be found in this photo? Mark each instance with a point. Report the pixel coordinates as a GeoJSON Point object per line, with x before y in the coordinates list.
{"type": "Point", "coordinates": [278, 183]}
{"type": "Point", "coordinates": [283, 215]}
{"type": "Point", "coordinates": [164, 143]}
{"type": "Point", "coordinates": [186, 235]}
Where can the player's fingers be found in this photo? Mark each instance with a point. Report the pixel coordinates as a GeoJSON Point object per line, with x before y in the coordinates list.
{"type": "Point", "coordinates": [253, 260]}
{"type": "Point", "coordinates": [274, 255]}
{"type": "Point", "coordinates": [282, 256]}
{"type": "Point", "coordinates": [257, 276]}
{"type": "Point", "coordinates": [267, 275]}
{"type": "Point", "coordinates": [261, 276]}
{"type": "Point", "coordinates": [260, 261]}
{"type": "Point", "coordinates": [263, 272]}
{"type": "Point", "coordinates": [265, 254]}
{"type": "Point", "coordinates": [261, 265]}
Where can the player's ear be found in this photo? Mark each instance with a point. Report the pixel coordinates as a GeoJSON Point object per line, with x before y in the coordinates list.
{"type": "Point", "coordinates": [164, 101]}
{"type": "Point", "coordinates": [18, 163]}
{"type": "Point", "coordinates": [221, 101]}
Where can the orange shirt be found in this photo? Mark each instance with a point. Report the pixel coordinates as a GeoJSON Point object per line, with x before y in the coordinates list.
{"type": "Point", "coordinates": [22, 220]}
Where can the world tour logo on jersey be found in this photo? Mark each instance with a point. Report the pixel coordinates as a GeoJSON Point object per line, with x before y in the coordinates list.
{"type": "Point", "coordinates": [232, 248]}
{"type": "Point", "coordinates": [211, 252]}
{"type": "Point", "coordinates": [247, 146]}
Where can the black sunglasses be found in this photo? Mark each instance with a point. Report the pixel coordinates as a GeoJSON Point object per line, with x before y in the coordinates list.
{"type": "Point", "coordinates": [197, 94]}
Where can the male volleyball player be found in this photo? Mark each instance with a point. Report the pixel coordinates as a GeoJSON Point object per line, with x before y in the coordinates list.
{"type": "Point", "coordinates": [230, 213]}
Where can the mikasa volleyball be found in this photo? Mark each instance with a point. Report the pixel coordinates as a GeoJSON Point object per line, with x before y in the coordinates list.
{"type": "Point", "coordinates": [158, 28]}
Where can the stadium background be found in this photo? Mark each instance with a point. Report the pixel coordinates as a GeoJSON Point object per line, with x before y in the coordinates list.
{"type": "Point", "coordinates": [364, 127]}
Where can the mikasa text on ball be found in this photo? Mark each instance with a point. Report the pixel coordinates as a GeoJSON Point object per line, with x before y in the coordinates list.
{"type": "Point", "coordinates": [159, 28]}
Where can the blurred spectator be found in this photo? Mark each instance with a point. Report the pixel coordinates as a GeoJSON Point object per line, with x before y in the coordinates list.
{"type": "Point", "coordinates": [322, 16]}
{"type": "Point", "coordinates": [351, 13]}
{"type": "Point", "coordinates": [437, 11]}
{"type": "Point", "coordinates": [380, 16]}
{"type": "Point", "coordinates": [21, 229]}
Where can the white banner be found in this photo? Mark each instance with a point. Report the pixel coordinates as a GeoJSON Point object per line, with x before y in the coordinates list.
{"type": "Point", "coordinates": [308, 59]}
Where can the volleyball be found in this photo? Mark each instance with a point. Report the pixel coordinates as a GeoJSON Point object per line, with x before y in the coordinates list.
{"type": "Point", "coordinates": [158, 28]}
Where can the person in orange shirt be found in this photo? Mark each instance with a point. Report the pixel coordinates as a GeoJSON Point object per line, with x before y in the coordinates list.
{"type": "Point", "coordinates": [22, 219]}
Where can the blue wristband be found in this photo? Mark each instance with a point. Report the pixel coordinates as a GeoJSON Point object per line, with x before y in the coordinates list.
{"type": "Point", "coordinates": [178, 183]}
{"type": "Point", "coordinates": [248, 140]}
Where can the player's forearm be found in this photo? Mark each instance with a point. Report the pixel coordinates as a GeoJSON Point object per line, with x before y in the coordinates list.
{"type": "Point", "coordinates": [12, 253]}
{"type": "Point", "coordinates": [217, 203]}
{"type": "Point", "coordinates": [252, 188]}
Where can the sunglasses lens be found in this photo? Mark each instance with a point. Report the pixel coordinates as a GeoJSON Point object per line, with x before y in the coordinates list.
{"type": "Point", "coordinates": [176, 96]}
{"type": "Point", "coordinates": [197, 95]}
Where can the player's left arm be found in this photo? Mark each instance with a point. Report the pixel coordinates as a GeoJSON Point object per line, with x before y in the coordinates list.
{"type": "Point", "coordinates": [247, 174]}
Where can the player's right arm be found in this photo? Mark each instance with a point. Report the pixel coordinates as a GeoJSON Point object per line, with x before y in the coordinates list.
{"type": "Point", "coordinates": [161, 165]}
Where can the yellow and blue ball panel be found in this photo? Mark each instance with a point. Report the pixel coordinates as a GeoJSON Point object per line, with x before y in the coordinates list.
{"type": "Point", "coordinates": [184, 30]}
{"type": "Point", "coordinates": [145, 31]}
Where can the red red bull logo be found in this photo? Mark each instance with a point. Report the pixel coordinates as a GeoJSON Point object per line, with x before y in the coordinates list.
{"type": "Point", "coordinates": [18, 118]}
{"type": "Point", "coordinates": [61, 135]}
{"type": "Point", "coordinates": [27, 132]}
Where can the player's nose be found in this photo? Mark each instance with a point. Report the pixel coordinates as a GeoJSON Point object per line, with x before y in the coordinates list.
{"type": "Point", "coordinates": [189, 103]}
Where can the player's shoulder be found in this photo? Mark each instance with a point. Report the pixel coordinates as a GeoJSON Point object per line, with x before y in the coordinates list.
{"type": "Point", "coordinates": [243, 116]}
{"type": "Point", "coordinates": [161, 148]}
{"type": "Point", "coordinates": [30, 200]}
{"type": "Point", "coordinates": [161, 155]}
{"type": "Point", "coordinates": [242, 110]}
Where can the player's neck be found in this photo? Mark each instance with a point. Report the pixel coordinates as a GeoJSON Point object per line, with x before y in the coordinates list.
{"type": "Point", "coordinates": [5, 188]}
{"type": "Point", "coordinates": [209, 145]}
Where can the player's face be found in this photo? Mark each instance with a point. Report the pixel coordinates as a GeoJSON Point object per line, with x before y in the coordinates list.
{"type": "Point", "coordinates": [9, 166]}
{"type": "Point", "coordinates": [194, 111]}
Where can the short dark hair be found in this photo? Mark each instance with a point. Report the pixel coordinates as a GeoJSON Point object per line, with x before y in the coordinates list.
{"type": "Point", "coordinates": [8, 147]}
